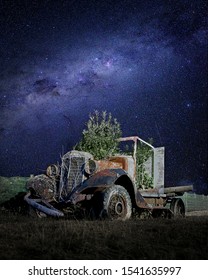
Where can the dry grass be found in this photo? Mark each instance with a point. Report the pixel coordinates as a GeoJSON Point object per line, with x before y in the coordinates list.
{"type": "Point", "coordinates": [25, 238]}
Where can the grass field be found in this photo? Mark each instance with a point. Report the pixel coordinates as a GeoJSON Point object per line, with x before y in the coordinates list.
{"type": "Point", "coordinates": [9, 187]}
{"type": "Point", "coordinates": [195, 202]}
{"type": "Point", "coordinates": [25, 238]}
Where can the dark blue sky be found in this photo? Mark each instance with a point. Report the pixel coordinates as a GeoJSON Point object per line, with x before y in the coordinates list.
{"type": "Point", "coordinates": [144, 61]}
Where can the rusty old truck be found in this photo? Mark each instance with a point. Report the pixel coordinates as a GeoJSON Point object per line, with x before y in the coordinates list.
{"type": "Point", "coordinates": [118, 187]}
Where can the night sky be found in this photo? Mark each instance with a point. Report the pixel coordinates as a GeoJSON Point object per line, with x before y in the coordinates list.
{"type": "Point", "coordinates": [143, 61]}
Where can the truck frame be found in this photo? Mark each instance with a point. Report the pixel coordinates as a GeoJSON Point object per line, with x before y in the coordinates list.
{"type": "Point", "coordinates": [106, 188]}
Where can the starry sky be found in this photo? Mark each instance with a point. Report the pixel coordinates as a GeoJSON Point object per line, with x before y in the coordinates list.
{"type": "Point", "coordinates": [143, 61]}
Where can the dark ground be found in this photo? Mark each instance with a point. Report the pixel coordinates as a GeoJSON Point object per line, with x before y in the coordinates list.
{"type": "Point", "coordinates": [25, 238]}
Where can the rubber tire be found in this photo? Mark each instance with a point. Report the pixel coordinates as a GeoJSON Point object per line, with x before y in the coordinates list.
{"type": "Point", "coordinates": [178, 208]}
{"type": "Point", "coordinates": [123, 208]}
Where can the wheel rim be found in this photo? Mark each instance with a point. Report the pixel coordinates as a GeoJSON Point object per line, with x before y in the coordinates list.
{"type": "Point", "coordinates": [180, 211]}
{"type": "Point", "coordinates": [178, 208]}
{"type": "Point", "coordinates": [117, 207]}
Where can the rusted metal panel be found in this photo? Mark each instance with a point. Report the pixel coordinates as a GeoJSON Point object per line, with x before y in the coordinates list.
{"type": "Point", "coordinates": [159, 166]}
{"type": "Point", "coordinates": [127, 163]}
{"type": "Point", "coordinates": [156, 201]}
{"type": "Point", "coordinates": [141, 203]}
{"type": "Point", "coordinates": [109, 164]}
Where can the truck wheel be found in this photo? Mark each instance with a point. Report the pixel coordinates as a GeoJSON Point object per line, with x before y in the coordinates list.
{"type": "Point", "coordinates": [177, 207]}
{"type": "Point", "coordinates": [116, 204]}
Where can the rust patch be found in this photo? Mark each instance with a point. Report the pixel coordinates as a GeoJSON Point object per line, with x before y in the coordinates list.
{"type": "Point", "coordinates": [122, 161]}
{"type": "Point", "coordinates": [107, 164]}
{"type": "Point", "coordinates": [155, 201]}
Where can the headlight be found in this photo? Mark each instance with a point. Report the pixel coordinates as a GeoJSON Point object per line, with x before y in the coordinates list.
{"type": "Point", "coordinates": [90, 167]}
{"type": "Point", "coordinates": [53, 170]}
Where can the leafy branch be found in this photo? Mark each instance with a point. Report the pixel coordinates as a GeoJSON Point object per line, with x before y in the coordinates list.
{"type": "Point", "coordinates": [99, 138]}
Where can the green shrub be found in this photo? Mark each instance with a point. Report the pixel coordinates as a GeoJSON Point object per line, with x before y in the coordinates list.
{"type": "Point", "coordinates": [99, 138]}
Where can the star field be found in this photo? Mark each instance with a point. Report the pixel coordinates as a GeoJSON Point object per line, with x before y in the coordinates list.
{"type": "Point", "coordinates": [144, 61]}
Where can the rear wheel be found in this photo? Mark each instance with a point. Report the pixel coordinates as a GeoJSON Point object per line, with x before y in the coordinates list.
{"type": "Point", "coordinates": [177, 207]}
{"type": "Point", "coordinates": [116, 204]}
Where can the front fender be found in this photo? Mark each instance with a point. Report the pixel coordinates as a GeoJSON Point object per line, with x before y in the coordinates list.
{"type": "Point", "coordinates": [101, 180]}
{"type": "Point", "coordinates": [104, 178]}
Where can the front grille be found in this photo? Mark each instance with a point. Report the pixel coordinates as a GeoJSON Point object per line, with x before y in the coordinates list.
{"type": "Point", "coordinates": [72, 173]}
{"type": "Point", "coordinates": [75, 174]}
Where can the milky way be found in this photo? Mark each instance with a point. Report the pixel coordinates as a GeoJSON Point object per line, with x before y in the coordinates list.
{"type": "Point", "coordinates": [144, 61]}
